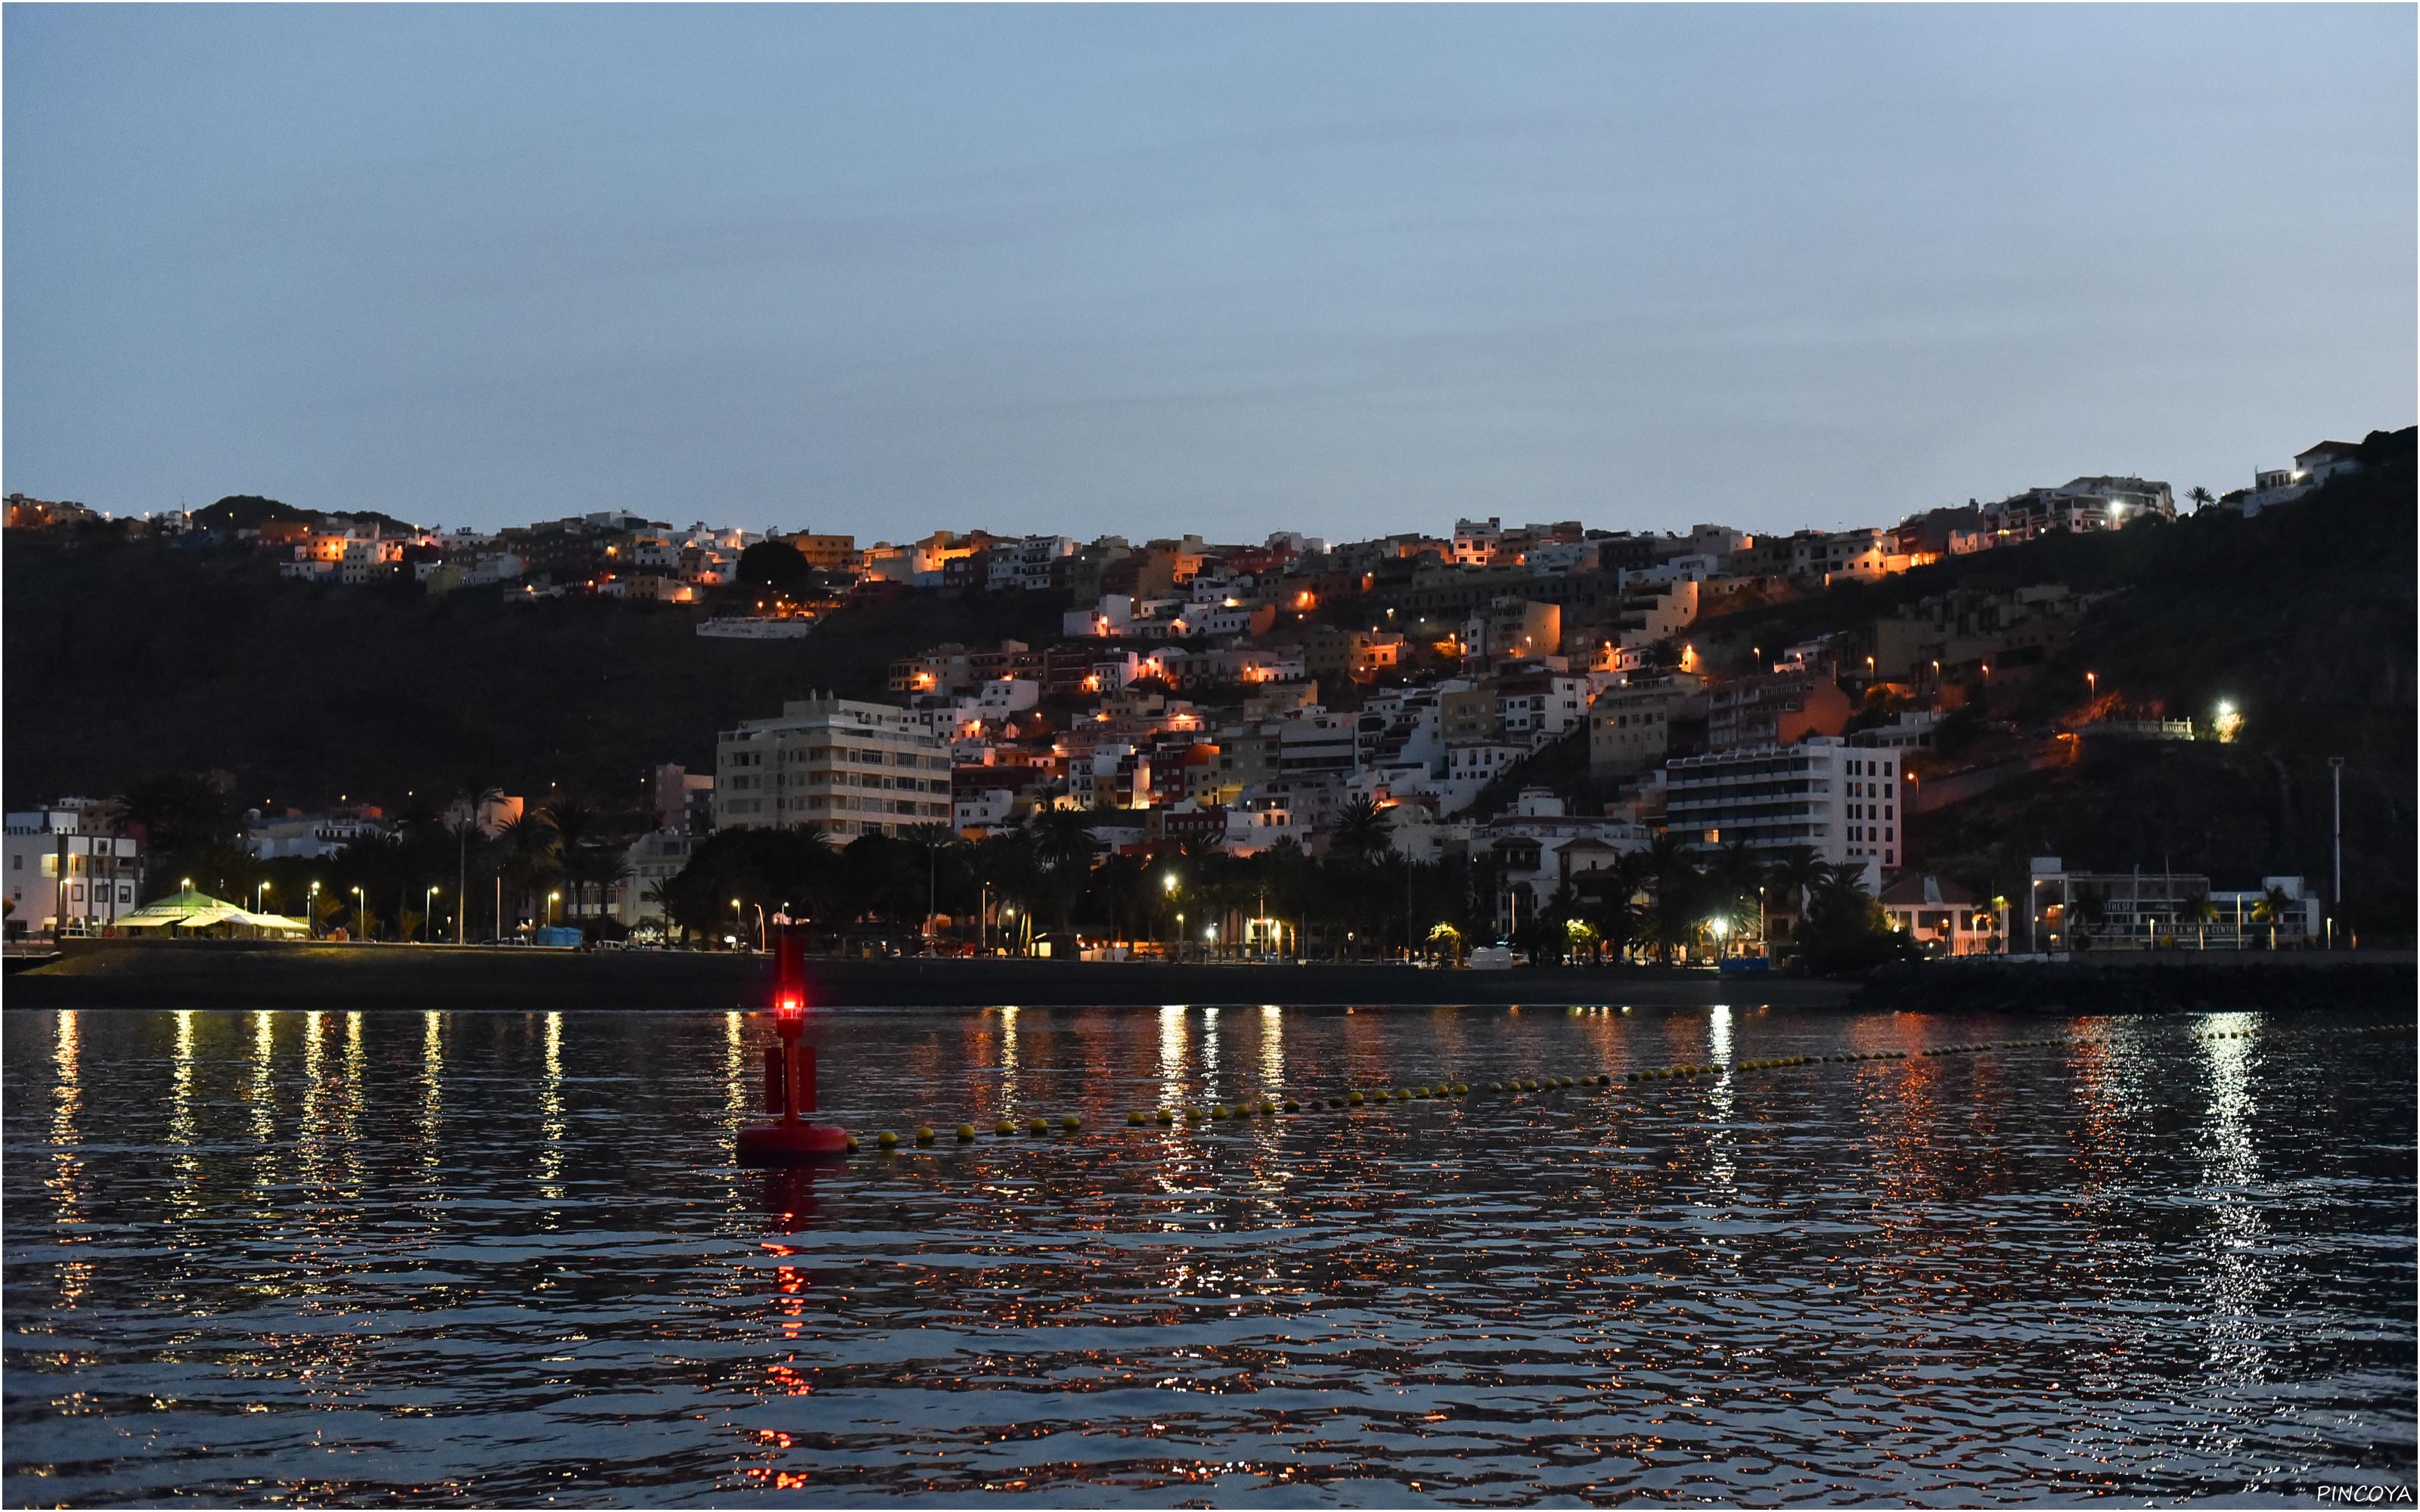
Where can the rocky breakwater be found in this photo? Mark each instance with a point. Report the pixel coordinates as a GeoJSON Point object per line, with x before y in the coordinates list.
{"type": "Point", "coordinates": [2297, 983]}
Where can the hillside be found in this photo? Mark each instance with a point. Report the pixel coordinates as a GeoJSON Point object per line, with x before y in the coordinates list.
{"type": "Point", "coordinates": [130, 661]}
{"type": "Point", "coordinates": [2302, 619]}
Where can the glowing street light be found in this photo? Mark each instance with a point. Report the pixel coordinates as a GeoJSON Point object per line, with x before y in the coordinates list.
{"type": "Point", "coordinates": [552, 898]}
{"type": "Point", "coordinates": [2092, 683]}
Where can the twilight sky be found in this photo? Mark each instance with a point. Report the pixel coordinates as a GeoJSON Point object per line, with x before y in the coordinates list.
{"type": "Point", "coordinates": [1089, 269]}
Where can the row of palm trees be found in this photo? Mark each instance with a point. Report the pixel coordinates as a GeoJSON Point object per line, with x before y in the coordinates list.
{"type": "Point", "coordinates": [1358, 897]}
{"type": "Point", "coordinates": [435, 877]}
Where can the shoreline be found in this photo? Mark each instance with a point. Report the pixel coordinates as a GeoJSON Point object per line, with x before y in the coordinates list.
{"type": "Point", "coordinates": [245, 973]}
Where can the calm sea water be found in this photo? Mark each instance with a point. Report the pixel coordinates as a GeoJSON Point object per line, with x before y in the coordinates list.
{"type": "Point", "coordinates": [489, 1256]}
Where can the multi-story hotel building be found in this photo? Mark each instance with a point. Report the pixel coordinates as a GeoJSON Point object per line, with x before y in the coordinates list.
{"type": "Point", "coordinates": [1843, 800]}
{"type": "Point", "coordinates": [853, 768]}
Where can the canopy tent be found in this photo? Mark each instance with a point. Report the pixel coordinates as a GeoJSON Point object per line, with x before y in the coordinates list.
{"type": "Point", "coordinates": [193, 909]}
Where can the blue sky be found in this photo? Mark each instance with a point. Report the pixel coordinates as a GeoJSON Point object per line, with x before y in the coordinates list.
{"type": "Point", "coordinates": [1343, 270]}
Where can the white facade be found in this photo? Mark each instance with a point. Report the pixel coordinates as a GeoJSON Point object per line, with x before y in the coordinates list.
{"type": "Point", "coordinates": [308, 836]}
{"type": "Point", "coordinates": [55, 870]}
{"type": "Point", "coordinates": [988, 808]}
{"type": "Point", "coordinates": [853, 768]}
{"type": "Point", "coordinates": [1113, 616]}
{"type": "Point", "coordinates": [1843, 801]}
{"type": "Point", "coordinates": [1025, 563]}
{"type": "Point", "coordinates": [1470, 765]}
{"type": "Point", "coordinates": [1540, 716]}
{"type": "Point", "coordinates": [652, 860]}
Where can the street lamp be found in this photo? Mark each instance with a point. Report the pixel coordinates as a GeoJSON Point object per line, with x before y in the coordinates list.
{"type": "Point", "coordinates": [2091, 685]}
{"type": "Point", "coordinates": [426, 911]}
{"type": "Point", "coordinates": [552, 898]}
{"type": "Point", "coordinates": [259, 890]}
{"type": "Point", "coordinates": [735, 921]}
{"type": "Point", "coordinates": [311, 910]}
{"type": "Point", "coordinates": [361, 907]}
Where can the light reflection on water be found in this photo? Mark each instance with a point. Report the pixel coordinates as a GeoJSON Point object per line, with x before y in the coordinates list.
{"type": "Point", "coordinates": [499, 1256]}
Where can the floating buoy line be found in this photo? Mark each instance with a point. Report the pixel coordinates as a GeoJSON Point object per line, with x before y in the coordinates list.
{"type": "Point", "coordinates": [1386, 1095]}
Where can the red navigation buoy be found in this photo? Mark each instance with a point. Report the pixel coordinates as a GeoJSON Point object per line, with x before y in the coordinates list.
{"type": "Point", "coordinates": [790, 1073]}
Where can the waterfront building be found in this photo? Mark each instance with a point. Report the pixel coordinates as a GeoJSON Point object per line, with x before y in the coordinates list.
{"type": "Point", "coordinates": [2143, 910]}
{"type": "Point", "coordinates": [853, 768]}
{"type": "Point", "coordinates": [69, 872]}
{"type": "Point", "coordinates": [1941, 916]}
{"type": "Point", "coordinates": [1841, 800]}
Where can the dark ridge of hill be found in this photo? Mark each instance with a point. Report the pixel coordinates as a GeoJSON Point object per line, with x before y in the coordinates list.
{"type": "Point", "coordinates": [131, 660]}
{"type": "Point", "coordinates": [250, 512]}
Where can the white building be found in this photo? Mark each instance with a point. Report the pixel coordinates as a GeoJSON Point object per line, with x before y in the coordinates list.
{"type": "Point", "coordinates": [1475, 541]}
{"type": "Point", "coordinates": [853, 768]}
{"type": "Point", "coordinates": [1470, 765]}
{"type": "Point", "coordinates": [984, 808]}
{"type": "Point", "coordinates": [1538, 849]}
{"type": "Point", "coordinates": [1025, 563]}
{"type": "Point", "coordinates": [1113, 616]}
{"type": "Point", "coordinates": [652, 860]}
{"type": "Point", "coordinates": [308, 836]}
{"type": "Point", "coordinates": [58, 870]}
{"type": "Point", "coordinates": [1844, 801]}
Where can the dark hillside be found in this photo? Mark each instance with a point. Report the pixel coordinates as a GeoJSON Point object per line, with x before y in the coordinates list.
{"type": "Point", "coordinates": [133, 659]}
{"type": "Point", "coordinates": [2302, 619]}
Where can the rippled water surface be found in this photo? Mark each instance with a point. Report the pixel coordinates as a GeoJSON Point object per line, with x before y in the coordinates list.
{"type": "Point", "coordinates": [506, 1257]}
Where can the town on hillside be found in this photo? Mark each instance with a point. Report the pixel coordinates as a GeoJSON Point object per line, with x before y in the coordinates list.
{"type": "Point", "coordinates": [1506, 742]}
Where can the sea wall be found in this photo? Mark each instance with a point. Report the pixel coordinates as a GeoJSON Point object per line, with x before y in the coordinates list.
{"type": "Point", "coordinates": [2291, 983]}
{"type": "Point", "coordinates": [248, 974]}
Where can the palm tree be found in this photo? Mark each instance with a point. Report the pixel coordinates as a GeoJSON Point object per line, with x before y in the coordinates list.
{"type": "Point", "coordinates": [1735, 878]}
{"type": "Point", "coordinates": [1673, 916]}
{"type": "Point", "coordinates": [1063, 842]}
{"type": "Point", "coordinates": [1362, 831]}
{"type": "Point", "coordinates": [476, 793]}
{"type": "Point", "coordinates": [2272, 910]}
{"type": "Point", "coordinates": [932, 842]}
{"type": "Point", "coordinates": [528, 847]}
{"type": "Point", "coordinates": [1798, 873]}
{"type": "Point", "coordinates": [573, 821]}
{"type": "Point", "coordinates": [2199, 497]}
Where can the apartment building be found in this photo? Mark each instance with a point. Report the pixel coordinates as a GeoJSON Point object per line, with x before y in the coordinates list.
{"type": "Point", "coordinates": [2093, 503]}
{"type": "Point", "coordinates": [1775, 709]}
{"type": "Point", "coordinates": [1630, 728]}
{"type": "Point", "coordinates": [1026, 564]}
{"type": "Point", "coordinates": [1841, 800]}
{"type": "Point", "coordinates": [853, 768]}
